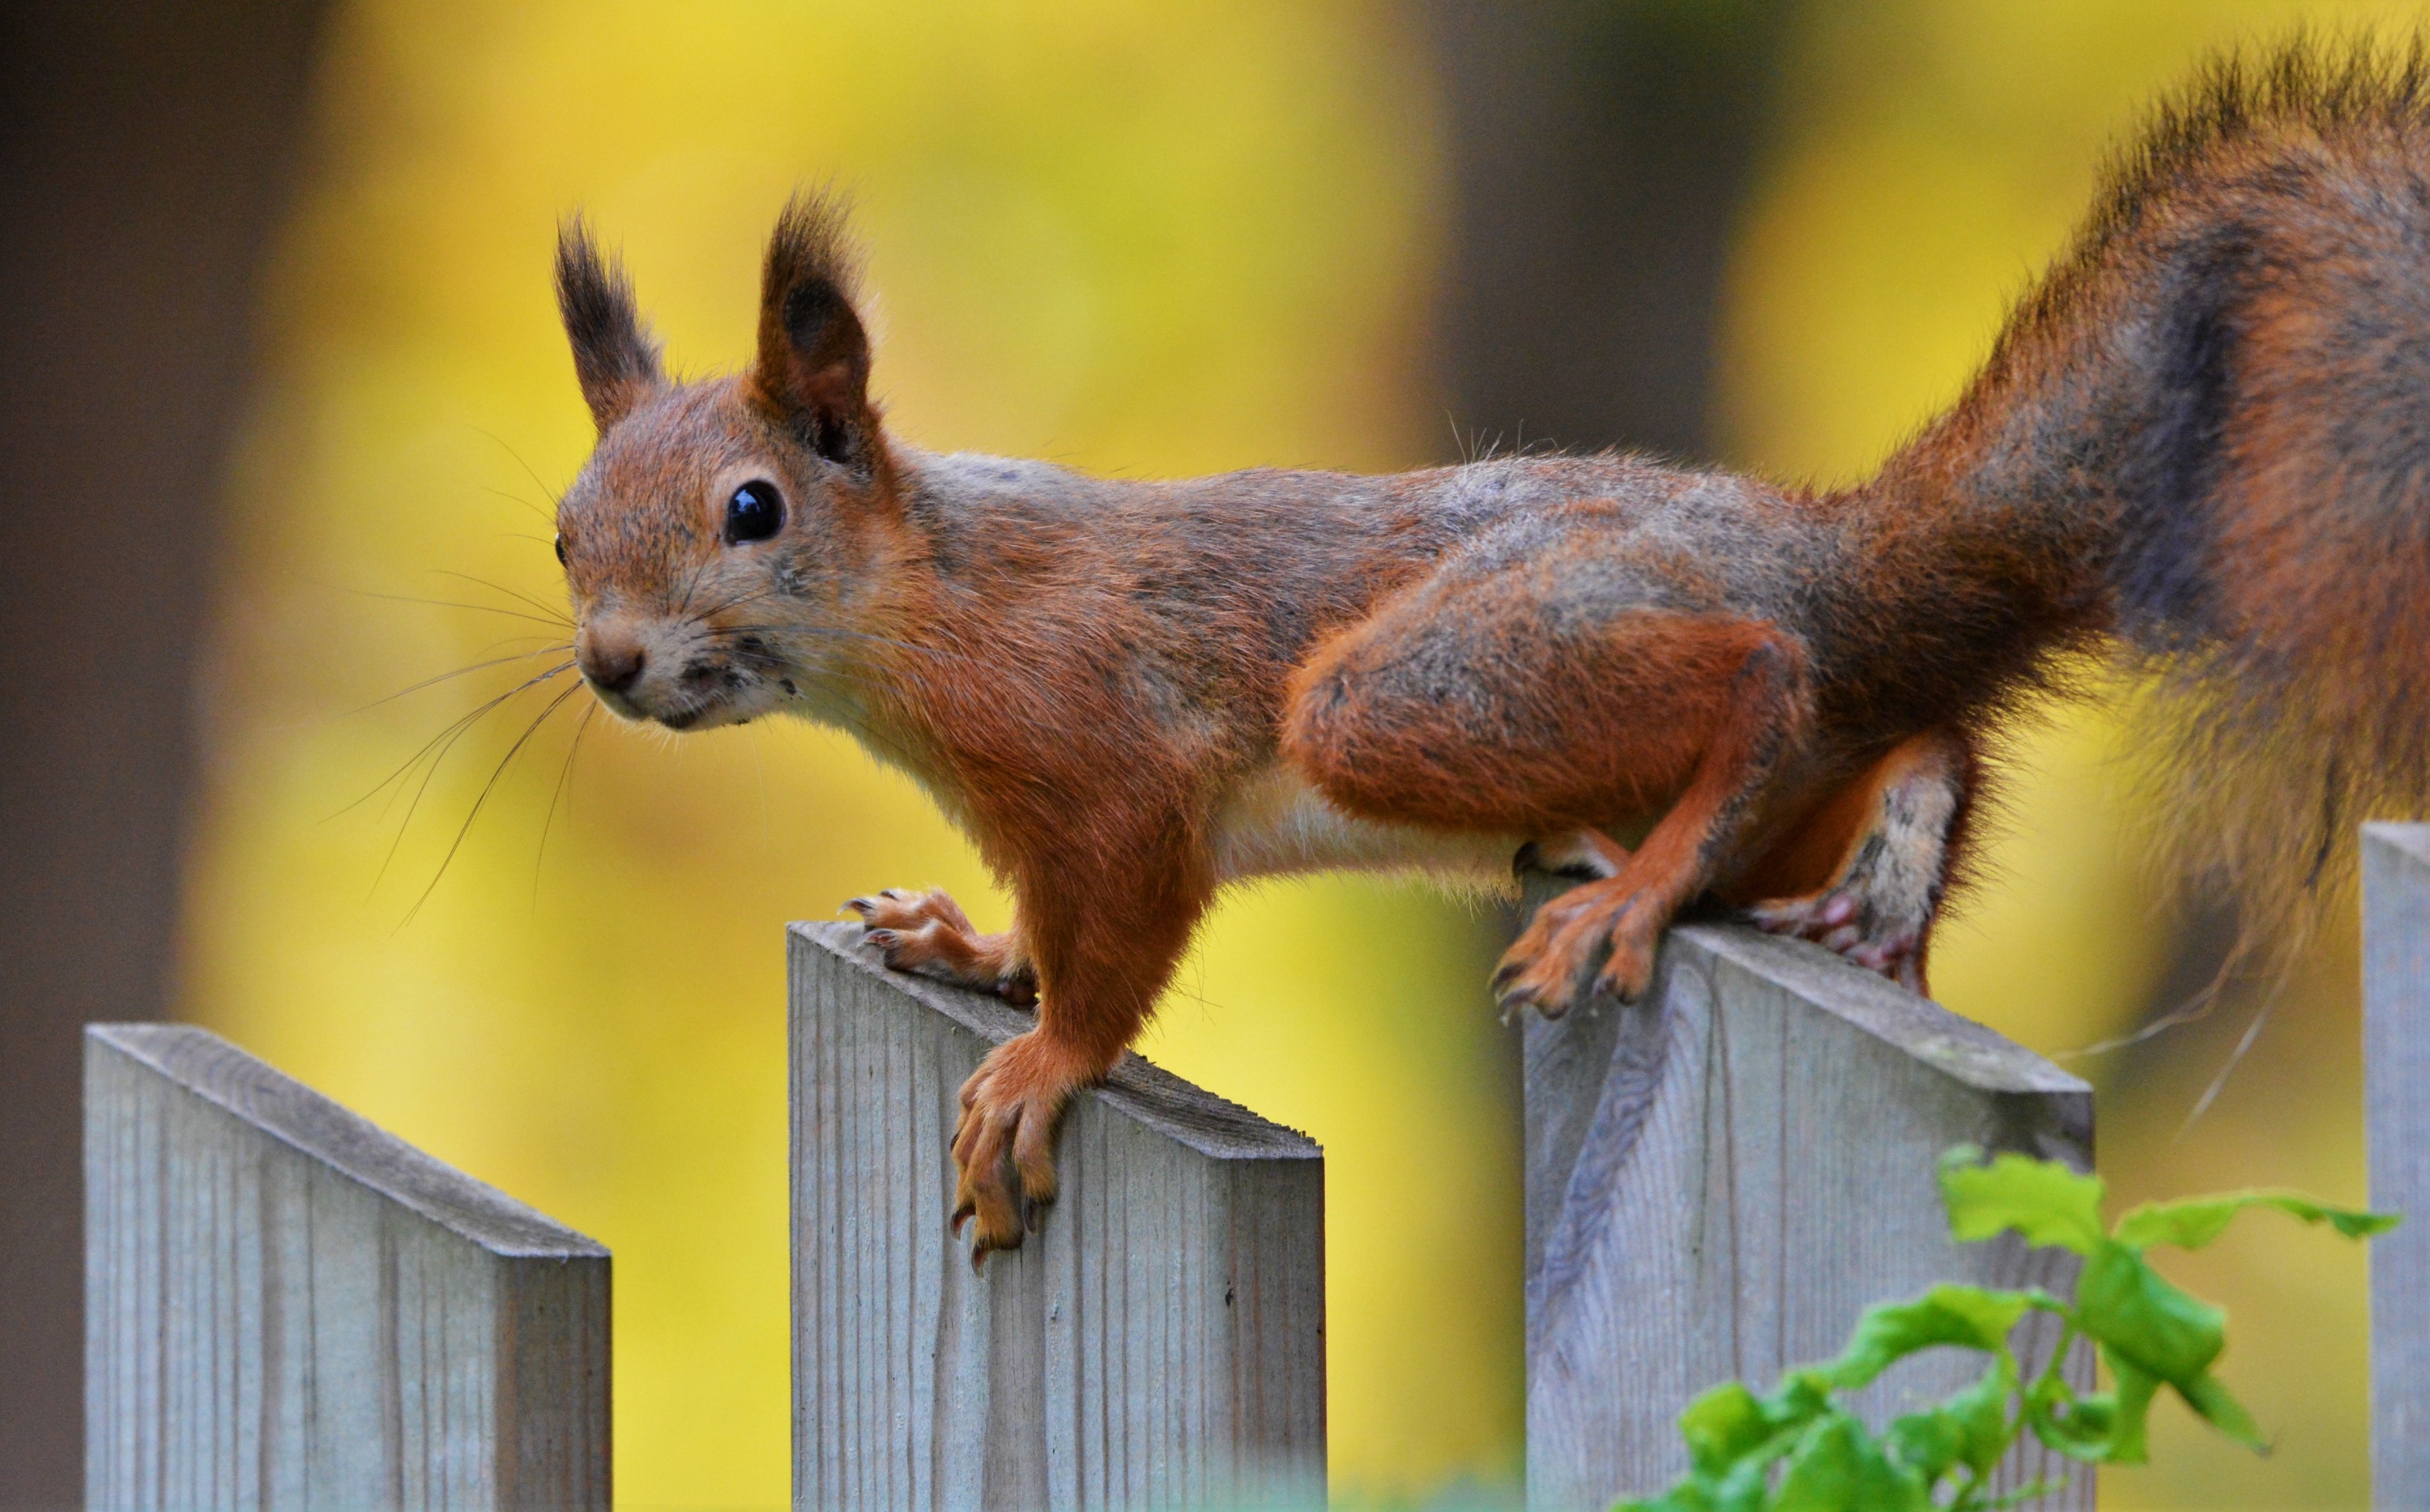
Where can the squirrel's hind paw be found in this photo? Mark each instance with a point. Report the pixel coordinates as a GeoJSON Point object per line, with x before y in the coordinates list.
{"type": "Point", "coordinates": [1553, 965]}
{"type": "Point", "coordinates": [1842, 921]}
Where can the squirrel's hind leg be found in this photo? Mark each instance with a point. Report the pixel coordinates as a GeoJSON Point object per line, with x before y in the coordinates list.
{"type": "Point", "coordinates": [1482, 709]}
{"type": "Point", "coordinates": [1620, 920]}
{"type": "Point", "coordinates": [1865, 873]}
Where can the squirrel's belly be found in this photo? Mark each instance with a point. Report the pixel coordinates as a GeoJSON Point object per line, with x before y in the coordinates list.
{"type": "Point", "coordinates": [1274, 823]}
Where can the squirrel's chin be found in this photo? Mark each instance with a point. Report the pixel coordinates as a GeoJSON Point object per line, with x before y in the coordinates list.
{"type": "Point", "coordinates": [705, 716]}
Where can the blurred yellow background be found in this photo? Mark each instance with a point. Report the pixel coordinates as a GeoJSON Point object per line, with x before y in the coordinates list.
{"type": "Point", "coordinates": [1144, 240]}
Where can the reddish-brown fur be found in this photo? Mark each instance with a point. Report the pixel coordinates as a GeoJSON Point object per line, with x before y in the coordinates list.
{"type": "Point", "coordinates": [1131, 693]}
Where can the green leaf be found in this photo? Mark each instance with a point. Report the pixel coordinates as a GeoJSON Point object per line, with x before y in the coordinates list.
{"type": "Point", "coordinates": [1838, 1467]}
{"type": "Point", "coordinates": [1981, 1410]}
{"type": "Point", "coordinates": [2042, 1200]}
{"type": "Point", "coordinates": [2076, 1426]}
{"type": "Point", "coordinates": [2138, 1317]}
{"type": "Point", "coordinates": [2039, 1487]}
{"type": "Point", "coordinates": [1748, 1489]}
{"type": "Point", "coordinates": [2130, 1412]}
{"type": "Point", "coordinates": [1969, 1317]}
{"type": "Point", "coordinates": [2197, 1220]}
{"type": "Point", "coordinates": [2104, 1428]}
{"type": "Point", "coordinates": [2224, 1412]}
{"type": "Point", "coordinates": [1721, 1425]}
{"type": "Point", "coordinates": [1801, 1397]}
{"type": "Point", "coordinates": [1972, 1428]}
{"type": "Point", "coordinates": [1926, 1443]}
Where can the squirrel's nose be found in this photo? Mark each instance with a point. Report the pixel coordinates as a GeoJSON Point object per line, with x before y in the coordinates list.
{"type": "Point", "coordinates": [610, 660]}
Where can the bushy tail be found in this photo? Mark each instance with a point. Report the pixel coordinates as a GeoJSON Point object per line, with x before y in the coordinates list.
{"type": "Point", "coordinates": [2207, 431]}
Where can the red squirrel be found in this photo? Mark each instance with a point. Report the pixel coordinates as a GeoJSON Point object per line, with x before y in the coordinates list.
{"type": "Point", "coordinates": [2202, 442]}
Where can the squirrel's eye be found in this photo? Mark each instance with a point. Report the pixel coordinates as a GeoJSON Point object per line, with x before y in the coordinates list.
{"type": "Point", "coordinates": [560, 551]}
{"type": "Point", "coordinates": [754, 512]}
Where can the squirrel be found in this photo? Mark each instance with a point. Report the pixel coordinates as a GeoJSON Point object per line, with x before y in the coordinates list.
{"type": "Point", "coordinates": [2201, 443]}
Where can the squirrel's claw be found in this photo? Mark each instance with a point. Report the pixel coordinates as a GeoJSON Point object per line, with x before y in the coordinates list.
{"type": "Point", "coordinates": [1553, 964]}
{"type": "Point", "coordinates": [928, 932]}
{"type": "Point", "coordinates": [1003, 1143]}
{"type": "Point", "coordinates": [869, 907]}
{"type": "Point", "coordinates": [1840, 922]}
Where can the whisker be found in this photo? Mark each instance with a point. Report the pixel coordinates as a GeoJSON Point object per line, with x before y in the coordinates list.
{"type": "Point", "coordinates": [499, 587]}
{"type": "Point", "coordinates": [421, 790]}
{"type": "Point", "coordinates": [487, 788]}
{"type": "Point", "coordinates": [751, 597]}
{"type": "Point", "coordinates": [556, 623]}
{"type": "Point", "coordinates": [564, 789]}
{"type": "Point", "coordinates": [554, 496]}
{"type": "Point", "coordinates": [692, 584]}
{"type": "Point", "coordinates": [518, 498]}
{"type": "Point", "coordinates": [455, 725]}
{"type": "Point", "coordinates": [461, 672]}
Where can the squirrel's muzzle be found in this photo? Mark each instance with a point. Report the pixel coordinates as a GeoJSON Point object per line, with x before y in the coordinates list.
{"type": "Point", "coordinates": [610, 656]}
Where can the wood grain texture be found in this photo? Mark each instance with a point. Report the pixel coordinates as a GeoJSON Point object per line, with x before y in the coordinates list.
{"type": "Point", "coordinates": [2396, 1112]}
{"type": "Point", "coordinates": [1721, 1178]}
{"type": "Point", "coordinates": [288, 1307]}
{"type": "Point", "coordinates": [1158, 1343]}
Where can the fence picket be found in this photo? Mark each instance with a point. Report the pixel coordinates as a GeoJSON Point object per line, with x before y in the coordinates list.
{"type": "Point", "coordinates": [288, 1307]}
{"type": "Point", "coordinates": [1721, 1178]}
{"type": "Point", "coordinates": [1161, 1342]}
{"type": "Point", "coordinates": [2396, 1113]}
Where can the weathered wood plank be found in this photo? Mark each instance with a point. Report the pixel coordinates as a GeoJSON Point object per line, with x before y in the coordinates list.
{"type": "Point", "coordinates": [1160, 1344]}
{"type": "Point", "coordinates": [288, 1307]}
{"type": "Point", "coordinates": [2396, 1107]}
{"type": "Point", "coordinates": [1720, 1178]}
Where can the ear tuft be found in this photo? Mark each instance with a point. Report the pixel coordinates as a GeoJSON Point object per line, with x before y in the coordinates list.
{"type": "Point", "coordinates": [813, 363]}
{"type": "Point", "coordinates": [614, 358]}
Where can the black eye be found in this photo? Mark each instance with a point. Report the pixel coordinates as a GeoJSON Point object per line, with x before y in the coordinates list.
{"type": "Point", "coordinates": [560, 551]}
{"type": "Point", "coordinates": [754, 512]}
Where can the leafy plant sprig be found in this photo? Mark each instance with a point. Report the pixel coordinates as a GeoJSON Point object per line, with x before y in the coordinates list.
{"type": "Point", "coordinates": [1798, 1450]}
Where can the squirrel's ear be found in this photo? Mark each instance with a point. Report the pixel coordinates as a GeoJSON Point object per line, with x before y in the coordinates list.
{"type": "Point", "coordinates": [813, 364]}
{"type": "Point", "coordinates": [614, 358]}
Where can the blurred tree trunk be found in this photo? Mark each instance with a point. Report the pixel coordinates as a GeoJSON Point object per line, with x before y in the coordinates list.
{"type": "Point", "coordinates": [1600, 152]}
{"type": "Point", "coordinates": [142, 147]}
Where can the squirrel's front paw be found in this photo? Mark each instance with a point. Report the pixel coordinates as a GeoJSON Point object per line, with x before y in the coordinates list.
{"type": "Point", "coordinates": [1550, 966]}
{"type": "Point", "coordinates": [1004, 1145]}
{"type": "Point", "coordinates": [929, 932]}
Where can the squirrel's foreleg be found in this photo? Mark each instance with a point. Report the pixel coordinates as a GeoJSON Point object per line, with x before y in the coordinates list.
{"type": "Point", "coordinates": [1104, 924]}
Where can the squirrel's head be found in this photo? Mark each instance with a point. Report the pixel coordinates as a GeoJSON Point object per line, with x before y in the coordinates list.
{"type": "Point", "coordinates": [718, 542]}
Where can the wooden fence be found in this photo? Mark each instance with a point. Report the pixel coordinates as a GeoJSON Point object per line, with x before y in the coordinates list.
{"type": "Point", "coordinates": [1159, 1342]}
{"type": "Point", "coordinates": [1721, 1178]}
{"type": "Point", "coordinates": [290, 1308]}
{"type": "Point", "coordinates": [2396, 1114]}
{"type": "Point", "coordinates": [287, 1307]}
